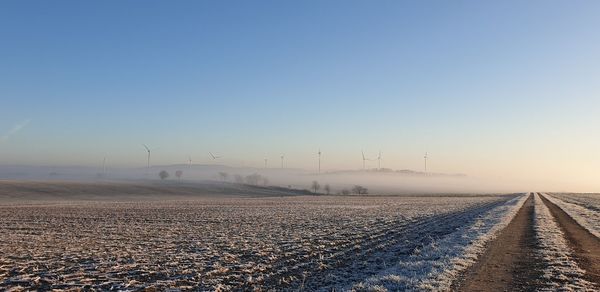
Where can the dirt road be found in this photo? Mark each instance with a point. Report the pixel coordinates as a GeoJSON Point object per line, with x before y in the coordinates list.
{"type": "Point", "coordinates": [510, 262]}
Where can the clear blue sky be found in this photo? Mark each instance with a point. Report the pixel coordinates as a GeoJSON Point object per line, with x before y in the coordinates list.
{"type": "Point", "coordinates": [488, 87]}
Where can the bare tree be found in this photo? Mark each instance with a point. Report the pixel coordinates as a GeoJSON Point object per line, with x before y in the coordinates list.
{"type": "Point", "coordinates": [315, 186]}
{"type": "Point", "coordinates": [163, 174]}
{"type": "Point", "coordinates": [178, 174]}
{"type": "Point", "coordinates": [253, 179]}
{"type": "Point", "coordinates": [360, 190]}
{"type": "Point", "coordinates": [327, 189]}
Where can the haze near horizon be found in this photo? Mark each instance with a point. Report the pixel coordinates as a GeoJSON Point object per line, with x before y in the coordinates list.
{"type": "Point", "coordinates": [504, 91]}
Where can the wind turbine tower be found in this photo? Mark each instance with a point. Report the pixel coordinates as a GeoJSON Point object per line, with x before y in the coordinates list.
{"type": "Point", "coordinates": [266, 160]}
{"type": "Point", "coordinates": [189, 162]}
{"type": "Point", "coordinates": [147, 149]}
{"type": "Point", "coordinates": [281, 161]}
{"type": "Point", "coordinates": [104, 166]}
{"type": "Point", "coordinates": [319, 169]}
{"type": "Point", "coordinates": [425, 157]}
{"type": "Point", "coordinates": [363, 158]}
{"type": "Point", "coordinates": [379, 161]}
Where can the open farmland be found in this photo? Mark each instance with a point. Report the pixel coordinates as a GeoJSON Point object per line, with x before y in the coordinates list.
{"type": "Point", "coordinates": [584, 208]}
{"type": "Point", "coordinates": [309, 242]}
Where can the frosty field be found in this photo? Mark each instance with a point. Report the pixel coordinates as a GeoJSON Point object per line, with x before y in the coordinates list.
{"type": "Point", "coordinates": [301, 242]}
{"type": "Point", "coordinates": [584, 208]}
{"type": "Point", "coordinates": [231, 237]}
{"type": "Point", "coordinates": [561, 271]}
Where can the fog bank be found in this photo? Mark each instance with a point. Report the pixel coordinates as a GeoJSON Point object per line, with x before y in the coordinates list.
{"type": "Point", "coordinates": [377, 182]}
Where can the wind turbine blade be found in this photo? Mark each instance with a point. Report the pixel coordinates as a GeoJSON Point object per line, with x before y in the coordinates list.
{"type": "Point", "coordinates": [147, 149]}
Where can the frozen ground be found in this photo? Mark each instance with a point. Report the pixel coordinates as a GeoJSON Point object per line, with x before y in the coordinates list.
{"type": "Point", "coordinates": [303, 242]}
{"type": "Point", "coordinates": [584, 208]}
{"type": "Point", "coordinates": [561, 272]}
{"type": "Point", "coordinates": [436, 264]}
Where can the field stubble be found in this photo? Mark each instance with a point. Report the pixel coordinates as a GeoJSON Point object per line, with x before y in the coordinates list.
{"type": "Point", "coordinates": [226, 244]}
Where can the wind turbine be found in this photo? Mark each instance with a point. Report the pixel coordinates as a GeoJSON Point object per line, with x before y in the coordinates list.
{"type": "Point", "coordinates": [281, 161]}
{"type": "Point", "coordinates": [266, 162]}
{"type": "Point", "coordinates": [319, 160]}
{"type": "Point", "coordinates": [190, 162]}
{"type": "Point", "coordinates": [425, 157]}
{"type": "Point", "coordinates": [364, 158]}
{"type": "Point", "coordinates": [104, 166]}
{"type": "Point", "coordinates": [147, 149]}
{"type": "Point", "coordinates": [379, 160]}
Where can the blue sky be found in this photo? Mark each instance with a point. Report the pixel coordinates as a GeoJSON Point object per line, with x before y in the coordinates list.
{"type": "Point", "coordinates": [487, 87]}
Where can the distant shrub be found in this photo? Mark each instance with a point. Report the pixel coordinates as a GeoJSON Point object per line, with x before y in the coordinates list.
{"type": "Point", "coordinates": [345, 192]}
{"type": "Point", "coordinates": [327, 189]}
{"type": "Point", "coordinates": [163, 174]}
{"type": "Point", "coordinates": [223, 175]}
{"type": "Point", "coordinates": [253, 179]}
{"type": "Point", "coordinates": [360, 190]}
{"type": "Point", "coordinates": [315, 186]}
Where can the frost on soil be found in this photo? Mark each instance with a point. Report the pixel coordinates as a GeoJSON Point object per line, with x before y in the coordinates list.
{"type": "Point", "coordinates": [583, 208]}
{"type": "Point", "coordinates": [561, 272]}
{"type": "Point", "coordinates": [435, 266]}
{"type": "Point", "coordinates": [310, 243]}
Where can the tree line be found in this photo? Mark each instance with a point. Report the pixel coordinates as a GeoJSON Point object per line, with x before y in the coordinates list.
{"type": "Point", "coordinates": [256, 179]}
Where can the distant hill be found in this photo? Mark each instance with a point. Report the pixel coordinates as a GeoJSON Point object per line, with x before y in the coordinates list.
{"type": "Point", "coordinates": [11, 191]}
{"type": "Point", "coordinates": [406, 172]}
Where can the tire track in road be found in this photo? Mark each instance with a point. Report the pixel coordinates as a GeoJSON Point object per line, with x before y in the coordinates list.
{"type": "Point", "coordinates": [586, 247]}
{"type": "Point", "coordinates": [510, 262]}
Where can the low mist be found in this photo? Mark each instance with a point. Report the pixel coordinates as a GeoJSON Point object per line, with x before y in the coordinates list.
{"type": "Point", "coordinates": [382, 182]}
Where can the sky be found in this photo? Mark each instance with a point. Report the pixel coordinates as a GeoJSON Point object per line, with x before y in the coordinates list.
{"type": "Point", "coordinates": [506, 90]}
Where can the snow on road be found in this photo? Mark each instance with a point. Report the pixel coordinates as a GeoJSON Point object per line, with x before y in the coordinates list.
{"type": "Point", "coordinates": [561, 272]}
